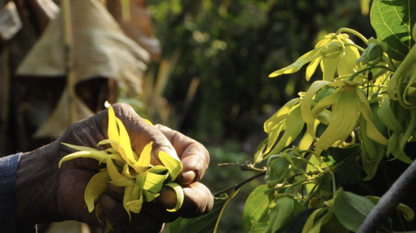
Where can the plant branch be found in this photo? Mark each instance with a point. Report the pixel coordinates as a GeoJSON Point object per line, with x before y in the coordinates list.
{"type": "Point", "coordinates": [351, 78]}
{"type": "Point", "coordinates": [239, 185]}
{"type": "Point", "coordinates": [244, 167]}
{"type": "Point", "coordinates": [354, 33]}
{"type": "Point", "coordinates": [390, 200]}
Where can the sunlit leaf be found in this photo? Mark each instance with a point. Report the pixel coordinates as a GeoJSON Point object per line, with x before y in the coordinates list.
{"type": "Point", "coordinates": [255, 204]}
{"type": "Point", "coordinates": [393, 22]}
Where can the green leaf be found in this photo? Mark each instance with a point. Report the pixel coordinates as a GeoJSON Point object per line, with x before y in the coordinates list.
{"type": "Point", "coordinates": [393, 22]}
{"type": "Point", "coordinates": [256, 203]}
{"type": "Point", "coordinates": [203, 224]}
{"type": "Point", "coordinates": [346, 170]}
{"type": "Point", "coordinates": [351, 209]}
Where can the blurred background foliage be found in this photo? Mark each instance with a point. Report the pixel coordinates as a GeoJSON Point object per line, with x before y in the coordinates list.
{"type": "Point", "coordinates": [231, 47]}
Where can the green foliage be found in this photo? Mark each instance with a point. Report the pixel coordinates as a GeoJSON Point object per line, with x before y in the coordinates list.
{"type": "Point", "coordinates": [202, 224]}
{"type": "Point", "coordinates": [393, 22]}
{"type": "Point", "coordinates": [255, 205]}
{"type": "Point", "coordinates": [351, 209]}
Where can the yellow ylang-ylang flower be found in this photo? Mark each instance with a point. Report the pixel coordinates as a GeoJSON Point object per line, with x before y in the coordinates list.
{"type": "Point", "coordinates": [348, 102]}
{"type": "Point", "coordinates": [333, 53]}
{"type": "Point", "coordinates": [289, 119]}
{"type": "Point", "coordinates": [142, 180]}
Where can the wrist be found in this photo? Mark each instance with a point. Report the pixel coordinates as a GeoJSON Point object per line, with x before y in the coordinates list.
{"type": "Point", "coordinates": [36, 186]}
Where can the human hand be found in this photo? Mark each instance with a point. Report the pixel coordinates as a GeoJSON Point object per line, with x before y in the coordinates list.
{"type": "Point", "coordinates": [58, 194]}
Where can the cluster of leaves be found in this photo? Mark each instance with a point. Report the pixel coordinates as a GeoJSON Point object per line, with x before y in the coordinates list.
{"type": "Point", "coordinates": [361, 112]}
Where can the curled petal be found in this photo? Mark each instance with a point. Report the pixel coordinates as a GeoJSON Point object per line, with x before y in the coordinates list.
{"type": "Point", "coordinates": [310, 70]}
{"type": "Point", "coordinates": [112, 127]}
{"type": "Point", "coordinates": [150, 196]}
{"type": "Point", "coordinates": [96, 187]}
{"type": "Point", "coordinates": [154, 182]}
{"type": "Point", "coordinates": [280, 115]}
{"type": "Point", "coordinates": [345, 114]}
{"type": "Point", "coordinates": [328, 67]}
{"type": "Point", "coordinates": [97, 155]}
{"type": "Point", "coordinates": [173, 165]}
{"type": "Point", "coordinates": [294, 125]}
{"type": "Point", "coordinates": [80, 148]}
{"type": "Point", "coordinates": [304, 59]}
{"type": "Point", "coordinates": [136, 205]}
{"type": "Point", "coordinates": [307, 101]}
{"type": "Point", "coordinates": [144, 160]}
{"type": "Point", "coordinates": [179, 195]}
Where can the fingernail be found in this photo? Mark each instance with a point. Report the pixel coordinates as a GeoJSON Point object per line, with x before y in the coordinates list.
{"type": "Point", "coordinates": [107, 202]}
{"type": "Point", "coordinates": [187, 177]}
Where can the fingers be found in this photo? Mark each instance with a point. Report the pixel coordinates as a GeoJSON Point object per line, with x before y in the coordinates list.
{"type": "Point", "coordinates": [198, 200]}
{"type": "Point", "coordinates": [194, 156]}
{"type": "Point", "coordinates": [140, 223]}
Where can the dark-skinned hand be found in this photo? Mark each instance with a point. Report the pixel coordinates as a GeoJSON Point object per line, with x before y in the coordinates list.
{"type": "Point", "coordinates": [45, 193]}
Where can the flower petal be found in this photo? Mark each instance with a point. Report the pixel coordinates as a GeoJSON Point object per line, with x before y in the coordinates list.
{"type": "Point", "coordinates": [126, 199]}
{"type": "Point", "coordinates": [154, 182]}
{"type": "Point", "coordinates": [280, 115]}
{"type": "Point", "coordinates": [144, 159]}
{"type": "Point", "coordinates": [310, 70]}
{"type": "Point", "coordinates": [307, 101]}
{"type": "Point", "coordinates": [179, 195]}
{"type": "Point", "coordinates": [306, 58]}
{"type": "Point", "coordinates": [112, 127]}
{"type": "Point", "coordinates": [149, 196]}
{"type": "Point", "coordinates": [97, 155]}
{"type": "Point", "coordinates": [328, 67]}
{"type": "Point", "coordinates": [80, 148]}
{"type": "Point", "coordinates": [136, 205]}
{"type": "Point", "coordinates": [125, 144]}
{"type": "Point", "coordinates": [96, 187]}
{"type": "Point", "coordinates": [294, 125]}
{"type": "Point", "coordinates": [173, 165]}
{"type": "Point", "coordinates": [345, 114]}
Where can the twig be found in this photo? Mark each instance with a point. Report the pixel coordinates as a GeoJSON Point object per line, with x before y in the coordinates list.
{"type": "Point", "coordinates": [239, 185]}
{"type": "Point", "coordinates": [244, 167]}
{"type": "Point", "coordinates": [390, 200]}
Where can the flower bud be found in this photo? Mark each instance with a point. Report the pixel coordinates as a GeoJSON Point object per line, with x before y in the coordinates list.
{"type": "Point", "coordinates": [373, 52]}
